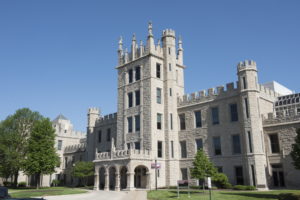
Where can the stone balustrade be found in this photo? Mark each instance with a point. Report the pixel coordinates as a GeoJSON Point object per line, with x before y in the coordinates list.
{"type": "Point", "coordinates": [124, 154]}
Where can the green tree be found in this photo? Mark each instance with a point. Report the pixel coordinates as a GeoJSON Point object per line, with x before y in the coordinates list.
{"type": "Point", "coordinates": [83, 170]}
{"type": "Point", "coordinates": [296, 151]}
{"type": "Point", "coordinates": [203, 168]}
{"type": "Point", "coordinates": [14, 133]}
{"type": "Point", "coordinates": [41, 154]}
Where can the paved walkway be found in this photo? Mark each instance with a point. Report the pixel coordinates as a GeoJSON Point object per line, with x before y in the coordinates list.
{"type": "Point", "coordinates": [102, 195]}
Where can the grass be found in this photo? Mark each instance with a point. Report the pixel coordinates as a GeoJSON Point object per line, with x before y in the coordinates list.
{"type": "Point", "coordinates": [52, 191]}
{"type": "Point", "coordinates": [218, 195]}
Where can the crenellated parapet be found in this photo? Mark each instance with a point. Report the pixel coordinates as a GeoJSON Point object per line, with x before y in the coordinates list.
{"type": "Point", "coordinates": [277, 120]}
{"type": "Point", "coordinates": [107, 119]}
{"type": "Point", "coordinates": [208, 95]}
{"type": "Point", "coordinates": [267, 92]}
{"type": "Point", "coordinates": [75, 148]}
{"type": "Point", "coordinates": [246, 65]}
{"type": "Point", "coordinates": [124, 154]}
{"type": "Point", "coordinates": [168, 33]}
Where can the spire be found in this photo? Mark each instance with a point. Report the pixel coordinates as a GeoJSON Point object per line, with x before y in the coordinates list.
{"type": "Point", "coordinates": [150, 41]}
{"type": "Point", "coordinates": [133, 47]}
{"type": "Point", "coordinates": [150, 34]}
{"type": "Point", "coordinates": [141, 48]}
{"type": "Point", "coordinates": [180, 51]}
{"type": "Point", "coordinates": [180, 43]}
{"type": "Point", "coordinates": [133, 37]}
{"type": "Point", "coordinates": [158, 42]}
{"type": "Point", "coordinates": [126, 55]}
{"type": "Point", "coordinates": [120, 44]}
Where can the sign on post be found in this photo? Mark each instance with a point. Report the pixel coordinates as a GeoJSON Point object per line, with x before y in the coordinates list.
{"type": "Point", "coordinates": [155, 165]}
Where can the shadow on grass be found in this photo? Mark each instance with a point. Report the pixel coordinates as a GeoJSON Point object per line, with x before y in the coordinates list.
{"type": "Point", "coordinates": [254, 195]}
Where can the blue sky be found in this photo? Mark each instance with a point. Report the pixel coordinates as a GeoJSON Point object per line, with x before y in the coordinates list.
{"type": "Point", "coordinates": [59, 56]}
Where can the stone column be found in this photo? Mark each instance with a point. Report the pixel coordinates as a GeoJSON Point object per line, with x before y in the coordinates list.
{"type": "Point", "coordinates": [96, 182]}
{"type": "Point", "coordinates": [130, 181]}
{"type": "Point", "coordinates": [117, 187]}
{"type": "Point", "coordinates": [106, 186]}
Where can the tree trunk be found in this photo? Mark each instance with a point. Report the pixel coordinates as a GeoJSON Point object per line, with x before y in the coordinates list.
{"type": "Point", "coordinates": [16, 175]}
{"type": "Point", "coordinates": [203, 186]}
{"type": "Point", "coordinates": [38, 180]}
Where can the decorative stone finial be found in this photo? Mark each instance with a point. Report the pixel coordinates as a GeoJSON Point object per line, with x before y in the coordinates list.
{"type": "Point", "coordinates": [133, 37]}
{"type": "Point", "coordinates": [158, 42]}
{"type": "Point", "coordinates": [121, 43]}
{"type": "Point", "coordinates": [150, 29]}
{"type": "Point", "coordinates": [180, 43]}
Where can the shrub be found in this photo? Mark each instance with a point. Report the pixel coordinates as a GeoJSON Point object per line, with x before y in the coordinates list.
{"type": "Point", "coordinates": [289, 196]}
{"type": "Point", "coordinates": [221, 181]}
{"type": "Point", "coordinates": [55, 182]}
{"type": "Point", "coordinates": [244, 187]}
{"type": "Point", "coordinates": [22, 184]}
{"type": "Point", "coordinates": [7, 183]}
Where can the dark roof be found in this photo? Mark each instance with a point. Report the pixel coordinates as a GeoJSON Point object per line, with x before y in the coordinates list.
{"type": "Point", "coordinates": [60, 116]}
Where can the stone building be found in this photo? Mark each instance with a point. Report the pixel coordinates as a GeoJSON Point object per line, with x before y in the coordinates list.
{"type": "Point", "coordinates": [245, 128]}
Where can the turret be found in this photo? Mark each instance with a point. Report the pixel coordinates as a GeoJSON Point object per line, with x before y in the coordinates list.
{"type": "Point", "coordinates": [247, 75]}
{"type": "Point", "coordinates": [150, 41]}
{"type": "Point", "coordinates": [133, 47]}
{"type": "Point", "coordinates": [93, 115]}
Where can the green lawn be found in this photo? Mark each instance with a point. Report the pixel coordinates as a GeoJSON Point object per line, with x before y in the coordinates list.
{"type": "Point", "coordinates": [26, 193]}
{"type": "Point", "coordinates": [218, 195]}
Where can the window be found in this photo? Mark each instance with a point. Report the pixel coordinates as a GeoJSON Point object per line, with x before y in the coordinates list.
{"type": "Point", "coordinates": [157, 70]}
{"type": "Point", "coordinates": [170, 67]}
{"type": "Point", "coordinates": [99, 136]}
{"type": "Point", "coordinates": [108, 135]}
{"type": "Point", "coordinates": [274, 143]}
{"type": "Point", "coordinates": [250, 142]}
{"type": "Point", "coordinates": [65, 131]}
{"type": "Point", "coordinates": [215, 115]}
{"type": "Point", "coordinates": [217, 146]}
{"type": "Point", "coordinates": [130, 76]}
{"type": "Point", "coordinates": [172, 149]}
{"type": "Point", "coordinates": [129, 121]}
{"type": "Point", "coordinates": [239, 175]}
{"type": "Point", "coordinates": [171, 121]}
{"type": "Point", "coordinates": [59, 144]}
{"type": "Point", "coordinates": [234, 113]}
{"type": "Point", "coordinates": [137, 73]}
{"type": "Point", "coordinates": [130, 100]}
{"type": "Point", "coordinates": [244, 83]}
{"type": "Point", "coordinates": [198, 121]}
{"type": "Point", "coordinates": [137, 98]}
{"type": "Point", "coordinates": [220, 169]}
{"type": "Point", "coordinates": [183, 149]}
{"type": "Point", "coordinates": [246, 107]}
{"type": "Point", "coordinates": [66, 162]}
{"type": "Point", "coordinates": [184, 173]}
{"type": "Point", "coordinates": [128, 146]}
{"type": "Point", "coordinates": [182, 121]}
{"type": "Point", "coordinates": [137, 123]}
{"type": "Point", "coordinates": [159, 149]}
{"type": "Point", "coordinates": [199, 144]}
{"type": "Point", "coordinates": [159, 120]}
{"type": "Point", "coordinates": [158, 95]}
{"type": "Point", "coordinates": [137, 145]}
{"type": "Point", "coordinates": [73, 159]}
{"type": "Point", "coordinates": [170, 92]}
{"type": "Point", "coordinates": [236, 144]}
{"type": "Point", "coordinates": [253, 175]}
{"type": "Point", "coordinates": [169, 50]}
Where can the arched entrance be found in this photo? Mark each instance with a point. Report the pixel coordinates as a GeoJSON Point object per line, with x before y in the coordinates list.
{"type": "Point", "coordinates": [141, 177]}
{"type": "Point", "coordinates": [123, 178]}
{"type": "Point", "coordinates": [112, 178]}
{"type": "Point", "coordinates": [102, 178]}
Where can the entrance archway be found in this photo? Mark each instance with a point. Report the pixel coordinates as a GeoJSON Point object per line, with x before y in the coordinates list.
{"type": "Point", "coordinates": [112, 178]}
{"type": "Point", "coordinates": [141, 177]}
{"type": "Point", "coordinates": [102, 178]}
{"type": "Point", "coordinates": [123, 178]}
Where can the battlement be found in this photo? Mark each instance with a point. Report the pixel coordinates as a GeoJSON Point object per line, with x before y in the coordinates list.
{"type": "Point", "coordinates": [272, 120]}
{"type": "Point", "coordinates": [75, 148]}
{"type": "Point", "coordinates": [93, 110]}
{"type": "Point", "coordinates": [124, 154]}
{"type": "Point", "coordinates": [207, 95]}
{"type": "Point", "coordinates": [111, 118]}
{"type": "Point", "coordinates": [168, 33]}
{"type": "Point", "coordinates": [267, 91]}
{"type": "Point", "coordinates": [247, 64]}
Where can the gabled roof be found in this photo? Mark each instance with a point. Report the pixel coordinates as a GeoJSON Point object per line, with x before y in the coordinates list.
{"type": "Point", "coordinates": [60, 116]}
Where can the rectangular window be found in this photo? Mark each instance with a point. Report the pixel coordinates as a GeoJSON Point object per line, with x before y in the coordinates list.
{"type": "Point", "coordinates": [137, 73]}
{"type": "Point", "coordinates": [66, 162]}
{"type": "Point", "coordinates": [137, 123]}
{"type": "Point", "coordinates": [246, 107]}
{"type": "Point", "coordinates": [199, 144]}
{"type": "Point", "coordinates": [184, 173]}
{"type": "Point", "coordinates": [274, 141]}
{"type": "Point", "coordinates": [234, 113]}
{"type": "Point", "coordinates": [253, 175]}
{"type": "Point", "coordinates": [172, 149]}
{"type": "Point", "coordinates": [159, 149]}
{"type": "Point", "coordinates": [129, 122]}
{"type": "Point", "coordinates": [215, 115]}
{"type": "Point", "coordinates": [244, 83]}
{"type": "Point", "coordinates": [236, 144]}
{"type": "Point", "coordinates": [183, 149]}
{"type": "Point", "coordinates": [159, 121]}
{"type": "Point", "coordinates": [59, 144]}
{"type": "Point", "coordinates": [158, 95]}
{"type": "Point", "coordinates": [169, 50]}
{"type": "Point", "coordinates": [170, 91]}
{"type": "Point", "coordinates": [157, 70]}
{"type": "Point", "coordinates": [130, 103]}
{"type": "Point", "coordinates": [99, 136]}
{"type": "Point", "coordinates": [128, 146]}
{"type": "Point", "coordinates": [130, 76]}
{"type": "Point", "coordinates": [137, 98]}
{"type": "Point", "coordinates": [239, 175]}
{"type": "Point", "coordinates": [108, 135]}
{"type": "Point", "coordinates": [182, 121]}
{"type": "Point", "coordinates": [137, 145]}
{"type": "Point", "coordinates": [171, 121]}
{"type": "Point", "coordinates": [170, 67]}
{"type": "Point", "coordinates": [198, 120]}
{"type": "Point", "coordinates": [250, 142]}
{"type": "Point", "coordinates": [217, 146]}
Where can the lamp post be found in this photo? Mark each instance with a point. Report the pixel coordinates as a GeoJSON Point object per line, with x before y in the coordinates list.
{"type": "Point", "coordinates": [155, 173]}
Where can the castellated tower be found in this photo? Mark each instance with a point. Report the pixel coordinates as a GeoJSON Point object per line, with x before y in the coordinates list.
{"type": "Point", "coordinates": [150, 78]}
{"type": "Point", "coordinates": [255, 159]}
{"type": "Point", "coordinates": [93, 115]}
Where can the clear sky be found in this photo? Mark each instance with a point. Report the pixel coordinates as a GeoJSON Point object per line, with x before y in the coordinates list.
{"type": "Point", "coordinates": [59, 56]}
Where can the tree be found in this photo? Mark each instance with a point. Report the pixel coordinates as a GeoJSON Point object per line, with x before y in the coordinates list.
{"type": "Point", "coordinates": [83, 170]}
{"type": "Point", "coordinates": [14, 133]}
{"type": "Point", "coordinates": [296, 151]}
{"type": "Point", "coordinates": [203, 168]}
{"type": "Point", "coordinates": [41, 154]}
